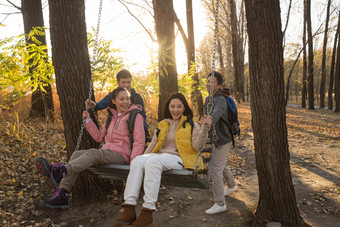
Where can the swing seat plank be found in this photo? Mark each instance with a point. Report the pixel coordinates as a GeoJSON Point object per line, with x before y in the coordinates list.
{"type": "Point", "coordinates": [175, 177]}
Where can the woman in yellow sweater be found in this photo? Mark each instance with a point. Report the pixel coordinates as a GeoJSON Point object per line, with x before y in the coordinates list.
{"type": "Point", "coordinates": [175, 145]}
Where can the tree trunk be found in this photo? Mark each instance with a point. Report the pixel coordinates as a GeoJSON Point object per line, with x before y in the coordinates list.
{"type": "Point", "coordinates": [73, 73]}
{"type": "Point", "coordinates": [310, 58]}
{"type": "Point", "coordinates": [323, 65]}
{"type": "Point", "coordinates": [337, 77]}
{"type": "Point", "coordinates": [164, 21]}
{"type": "Point", "coordinates": [277, 202]}
{"type": "Point", "coordinates": [241, 46]}
{"type": "Point", "coordinates": [41, 102]}
{"type": "Point", "coordinates": [331, 74]}
{"type": "Point", "coordinates": [235, 48]}
{"type": "Point", "coordinates": [197, 99]}
{"type": "Point", "coordinates": [304, 72]}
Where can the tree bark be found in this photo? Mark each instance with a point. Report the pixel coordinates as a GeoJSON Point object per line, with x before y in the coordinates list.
{"type": "Point", "coordinates": [323, 65]}
{"type": "Point", "coordinates": [304, 66]}
{"type": "Point", "coordinates": [310, 58]}
{"type": "Point", "coordinates": [277, 201]}
{"type": "Point", "coordinates": [331, 74]}
{"type": "Point", "coordinates": [41, 101]}
{"type": "Point", "coordinates": [164, 21]}
{"type": "Point", "coordinates": [73, 73]}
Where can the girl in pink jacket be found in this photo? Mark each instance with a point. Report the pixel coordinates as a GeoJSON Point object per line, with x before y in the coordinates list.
{"type": "Point", "coordinates": [117, 149]}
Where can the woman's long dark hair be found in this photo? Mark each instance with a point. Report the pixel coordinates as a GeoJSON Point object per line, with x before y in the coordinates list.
{"type": "Point", "coordinates": [176, 95]}
{"type": "Point", "coordinates": [114, 95]}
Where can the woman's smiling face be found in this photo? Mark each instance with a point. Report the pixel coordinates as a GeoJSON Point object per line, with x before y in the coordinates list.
{"type": "Point", "coordinates": [122, 101]}
{"type": "Point", "coordinates": [176, 108]}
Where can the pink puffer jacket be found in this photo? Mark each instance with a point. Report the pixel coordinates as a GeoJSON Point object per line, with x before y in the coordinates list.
{"type": "Point", "coordinates": [118, 137]}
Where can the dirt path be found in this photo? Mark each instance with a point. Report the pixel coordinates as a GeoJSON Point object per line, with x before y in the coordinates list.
{"type": "Point", "coordinates": [314, 143]}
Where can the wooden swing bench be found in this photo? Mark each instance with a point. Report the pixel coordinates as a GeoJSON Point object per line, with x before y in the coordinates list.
{"type": "Point", "coordinates": [178, 178]}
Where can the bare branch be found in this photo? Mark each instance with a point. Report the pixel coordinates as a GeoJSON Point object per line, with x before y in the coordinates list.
{"type": "Point", "coordinates": [139, 6]}
{"type": "Point", "coordinates": [148, 31]}
{"type": "Point", "coordinates": [288, 14]}
{"type": "Point", "coordinates": [181, 30]}
{"type": "Point", "coordinates": [15, 6]}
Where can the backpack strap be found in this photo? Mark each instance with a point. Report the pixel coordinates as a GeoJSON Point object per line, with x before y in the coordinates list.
{"type": "Point", "coordinates": [131, 124]}
{"type": "Point", "coordinates": [108, 121]}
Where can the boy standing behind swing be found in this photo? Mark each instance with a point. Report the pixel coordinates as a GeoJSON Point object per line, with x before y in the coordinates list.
{"type": "Point", "coordinates": [223, 143]}
{"type": "Point", "coordinates": [124, 80]}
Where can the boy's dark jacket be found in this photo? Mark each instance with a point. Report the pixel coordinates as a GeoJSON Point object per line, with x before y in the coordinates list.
{"type": "Point", "coordinates": [220, 117]}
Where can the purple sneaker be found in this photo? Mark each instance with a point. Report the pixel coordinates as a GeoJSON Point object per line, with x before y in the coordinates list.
{"type": "Point", "coordinates": [59, 200]}
{"type": "Point", "coordinates": [53, 173]}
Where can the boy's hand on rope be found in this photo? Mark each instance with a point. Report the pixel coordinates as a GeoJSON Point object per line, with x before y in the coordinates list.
{"type": "Point", "coordinates": [88, 106]}
{"type": "Point", "coordinates": [207, 121]}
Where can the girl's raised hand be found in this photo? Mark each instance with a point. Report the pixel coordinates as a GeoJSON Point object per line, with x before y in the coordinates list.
{"type": "Point", "coordinates": [86, 115]}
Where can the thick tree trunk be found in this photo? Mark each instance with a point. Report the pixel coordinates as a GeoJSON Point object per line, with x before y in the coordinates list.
{"type": "Point", "coordinates": [304, 71]}
{"type": "Point", "coordinates": [164, 21]}
{"type": "Point", "coordinates": [277, 202]}
{"type": "Point", "coordinates": [331, 74]}
{"type": "Point", "coordinates": [72, 70]}
{"type": "Point", "coordinates": [323, 65]}
{"type": "Point", "coordinates": [197, 99]}
{"type": "Point", "coordinates": [41, 102]}
{"type": "Point", "coordinates": [310, 59]}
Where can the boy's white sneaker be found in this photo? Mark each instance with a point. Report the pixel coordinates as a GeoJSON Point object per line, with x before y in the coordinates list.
{"type": "Point", "coordinates": [227, 191]}
{"type": "Point", "coordinates": [216, 209]}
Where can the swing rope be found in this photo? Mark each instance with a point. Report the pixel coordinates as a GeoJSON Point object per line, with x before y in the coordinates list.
{"type": "Point", "coordinates": [210, 100]}
{"type": "Point", "coordinates": [94, 59]}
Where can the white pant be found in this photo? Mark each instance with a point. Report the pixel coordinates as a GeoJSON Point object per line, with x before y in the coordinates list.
{"type": "Point", "coordinates": [151, 167]}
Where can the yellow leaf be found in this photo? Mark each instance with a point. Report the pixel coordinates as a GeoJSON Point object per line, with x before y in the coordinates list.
{"type": "Point", "coordinates": [13, 180]}
{"type": "Point", "coordinates": [21, 193]}
{"type": "Point", "coordinates": [35, 154]}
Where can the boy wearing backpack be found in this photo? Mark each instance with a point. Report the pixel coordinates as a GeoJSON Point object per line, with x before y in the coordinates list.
{"type": "Point", "coordinates": [124, 80]}
{"type": "Point", "coordinates": [222, 122]}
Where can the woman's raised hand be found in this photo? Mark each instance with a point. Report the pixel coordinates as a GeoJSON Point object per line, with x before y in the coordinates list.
{"type": "Point", "coordinates": [207, 121]}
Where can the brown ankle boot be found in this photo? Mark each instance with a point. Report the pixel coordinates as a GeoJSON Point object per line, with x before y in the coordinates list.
{"type": "Point", "coordinates": [128, 216]}
{"type": "Point", "coordinates": [144, 219]}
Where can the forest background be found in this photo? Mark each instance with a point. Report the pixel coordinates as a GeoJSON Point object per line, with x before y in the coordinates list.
{"type": "Point", "coordinates": [28, 74]}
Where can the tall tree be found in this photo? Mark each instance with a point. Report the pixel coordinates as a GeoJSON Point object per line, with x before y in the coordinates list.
{"type": "Point", "coordinates": [337, 74]}
{"type": "Point", "coordinates": [73, 73]}
{"type": "Point", "coordinates": [331, 74]}
{"type": "Point", "coordinates": [323, 65]}
{"type": "Point", "coordinates": [277, 201]}
{"type": "Point", "coordinates": [189, 42]}
{"type": "Point", "coordinates": [41, 101]}
{"type": "Point", "coordinates": [196, 94]}
{"type": "Point", "coordinates": [310, 58]}
{"type": "Point", "coordinates": [304, 65]}
{"type": "Point", "coordinates": [235, 48]}
{"type": "Point", "coordinates": [165, 25]}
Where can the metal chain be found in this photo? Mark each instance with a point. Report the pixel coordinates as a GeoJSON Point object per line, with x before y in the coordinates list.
{"type": "Point", "coordinates": [94, 59]}
{"type": "Point", "coordinates": [209, 106]}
